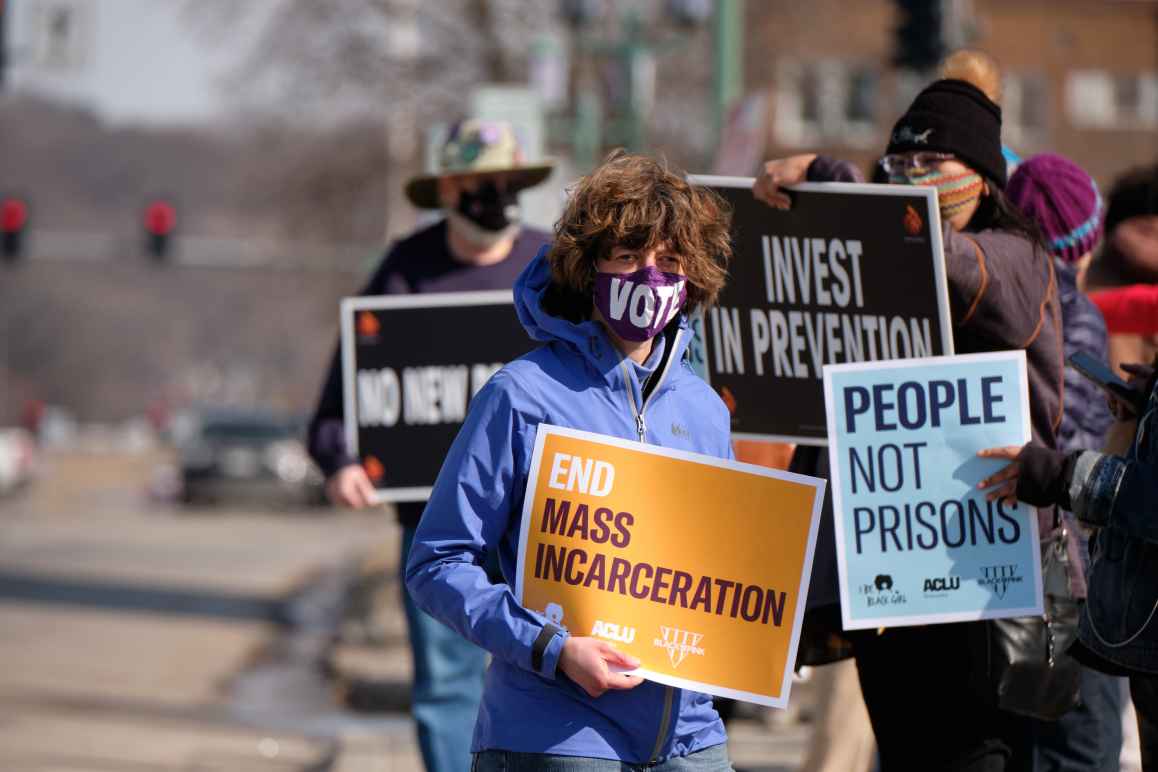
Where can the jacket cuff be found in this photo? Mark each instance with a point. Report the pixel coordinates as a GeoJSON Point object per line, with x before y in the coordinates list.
{"type": "Point", "coordinates": [547, 649]}
{"type": "Point", "coordinates": [1094, 486]}
{"type": "Point", "coordinates": [328, 447]}
{"type": "Point", "coordinates": [826, 169]}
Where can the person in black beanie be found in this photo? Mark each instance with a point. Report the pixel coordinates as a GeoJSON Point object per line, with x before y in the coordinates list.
{"type": "Point", "coordinates": [925, 687]}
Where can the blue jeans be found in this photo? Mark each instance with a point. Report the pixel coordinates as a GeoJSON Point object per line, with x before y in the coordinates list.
{"type": "Point", "coordinates": [714, 759]}
{"type": "Point", "coordinates": [448, 684]}
{"type": "Point", "coordinates": [1087, 738]}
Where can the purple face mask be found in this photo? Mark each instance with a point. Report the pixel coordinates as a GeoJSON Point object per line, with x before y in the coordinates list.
{"type": "Point", "coordinates": [638, 305]}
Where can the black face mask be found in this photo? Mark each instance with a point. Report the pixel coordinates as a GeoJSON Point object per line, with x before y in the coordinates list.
{"type": "Point", "coordinates": [489, 208]}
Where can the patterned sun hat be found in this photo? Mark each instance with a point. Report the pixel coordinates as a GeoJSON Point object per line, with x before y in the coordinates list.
{"type": "Point", "coordinates": [477, 147]}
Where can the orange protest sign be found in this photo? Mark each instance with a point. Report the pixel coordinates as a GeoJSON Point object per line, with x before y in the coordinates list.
{"type": "Point", "coordinates": [696, 565]}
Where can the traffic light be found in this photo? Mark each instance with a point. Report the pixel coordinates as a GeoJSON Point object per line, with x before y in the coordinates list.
{"type": "Point", "coordinates": [13, 224]}
{"type": "Point", "coordinates": [920, 37]}
{"type": "Point", "coordinates": [160, 220]}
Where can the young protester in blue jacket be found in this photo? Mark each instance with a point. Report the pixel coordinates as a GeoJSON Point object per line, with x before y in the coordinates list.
{"type": "Point", "coordinates": [557, 698]}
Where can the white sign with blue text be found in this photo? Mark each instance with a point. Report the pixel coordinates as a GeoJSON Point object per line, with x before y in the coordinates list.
{"type": "Point", "coordinates": [917, 543]}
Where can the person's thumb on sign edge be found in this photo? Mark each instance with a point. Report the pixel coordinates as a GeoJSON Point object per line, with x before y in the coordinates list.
{"type": "Point", "coordinates": [589, 662]}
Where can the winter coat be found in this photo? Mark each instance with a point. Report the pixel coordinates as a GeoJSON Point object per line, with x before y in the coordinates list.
{"type": "Point", "coordinates": [1118, 632]}
{"type": "Point", "coordinates": [1086, 417]}
{"type": "Point", "coordinates": [1003, 296]}
{"type": "Point", "coordinates": [575, 379]}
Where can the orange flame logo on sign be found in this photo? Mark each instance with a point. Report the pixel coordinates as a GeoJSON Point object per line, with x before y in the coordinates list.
{"type": "Point", "coordinates": [912, 221]}
{"type": "Point", "coordinates": [368, 325]}
{"type": "Point", "coordinates": [729, 399]}
{"type": "Point", "coordinates": [374, 469]}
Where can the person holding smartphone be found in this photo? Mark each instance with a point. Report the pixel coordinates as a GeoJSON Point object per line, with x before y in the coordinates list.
{"type": "Point", "coordinates": [1117, 497]}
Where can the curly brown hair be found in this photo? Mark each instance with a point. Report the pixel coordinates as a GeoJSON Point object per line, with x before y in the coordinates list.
{"type": "Point", "coordinates": [639, 203]}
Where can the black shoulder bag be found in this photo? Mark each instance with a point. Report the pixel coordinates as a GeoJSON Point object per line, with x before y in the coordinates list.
{"type": "Point", "coordinates": [1022, 663]}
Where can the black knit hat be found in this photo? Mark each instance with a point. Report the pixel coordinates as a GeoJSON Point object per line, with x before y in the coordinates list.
{"type": "Point", "coordinates": [1135, 193]}
{"type": "Point", "coordinates": [953, 116]}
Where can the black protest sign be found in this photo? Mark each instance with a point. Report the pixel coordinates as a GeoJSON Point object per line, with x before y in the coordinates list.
{"type": "Point", "coordinates": [850, 273]}
{"type": "Point", "coordinates": [410, 365]}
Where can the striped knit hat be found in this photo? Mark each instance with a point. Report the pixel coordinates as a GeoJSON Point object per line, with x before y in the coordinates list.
{"type": "Point", "coordinates": [1063, 200]}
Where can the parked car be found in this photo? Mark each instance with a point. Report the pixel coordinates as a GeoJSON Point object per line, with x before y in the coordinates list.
{"type": "Point", "coordinates": [17, 459]}
{"type": "Point", "coordinates": [247, 456]}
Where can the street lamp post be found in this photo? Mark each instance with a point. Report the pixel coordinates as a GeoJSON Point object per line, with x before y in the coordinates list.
{"type": "Point", "coordinates": [633, 53]}
{"type": "Point", "coordinates": [728, 72]}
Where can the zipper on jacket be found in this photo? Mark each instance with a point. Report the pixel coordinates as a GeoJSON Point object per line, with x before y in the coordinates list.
{"type": "Point", "coordinates": [665, 718]}
{"type": "Point", "coordinates": [639, 412]}
{"type": "Point", "coordinates": [640, 424]}
{"type": "Point", "coordinates": [641, 429]}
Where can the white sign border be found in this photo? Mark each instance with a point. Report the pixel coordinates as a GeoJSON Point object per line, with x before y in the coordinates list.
{"type": "Point", "coordinates": [933, 212]}
{"type": "Point", "coordinates": [545, 430]}
{"type": "Point", "coordinates": [910, 620]}
{"type": "Point", "coordinates": [348, 308]}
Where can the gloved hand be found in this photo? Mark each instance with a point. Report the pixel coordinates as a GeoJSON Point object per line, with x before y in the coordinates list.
{"type": "Point", "coordinates": [1038, 475]}
{"type": "Point", "coordinates": [1045, 476]}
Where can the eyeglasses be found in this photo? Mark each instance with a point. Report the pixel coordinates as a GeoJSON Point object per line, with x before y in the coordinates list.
{"type": "Point", "coordinates": [899, 164]}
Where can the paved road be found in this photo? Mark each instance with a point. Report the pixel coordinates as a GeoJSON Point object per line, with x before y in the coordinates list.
{"type": "Point", "coordinates": [140, 637]}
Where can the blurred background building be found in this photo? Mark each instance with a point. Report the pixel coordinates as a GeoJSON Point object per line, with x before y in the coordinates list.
{"type": "Point", "coordinates": [187, 189]}
{"type": "Point", "coordinates": [278, 134]}
{"type": "Point", "coordinates": [1081, 77]}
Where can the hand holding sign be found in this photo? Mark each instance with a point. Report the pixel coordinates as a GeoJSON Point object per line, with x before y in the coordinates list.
{"type": "Point", "coordinates": [589, 662]}
{"type": "Point", "coordinates": [779, 174]}
{"type": "Point", "coordinates": [350, 487]}
{"type": "Point", "coordinates": [1004, 481]}
{"type": "Point", "coordinates": [1037, 476]}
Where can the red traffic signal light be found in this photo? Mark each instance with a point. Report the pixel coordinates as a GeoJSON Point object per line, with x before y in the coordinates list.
{"type": "Point", "coordinates": [13, 214]}
{"type": "Point", "coordinates": [159, 221]}
{"type": "Point", "coordinates": [13, 222]}
{"type": "Point", "coordinates": [160, 218]}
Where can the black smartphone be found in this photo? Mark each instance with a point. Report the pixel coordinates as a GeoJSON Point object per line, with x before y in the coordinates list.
{"type": "Point", "coordinates": [1101, 374]}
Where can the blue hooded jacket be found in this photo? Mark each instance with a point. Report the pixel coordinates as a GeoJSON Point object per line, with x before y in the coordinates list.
{"type": "Point", "coordinates": [576, 379]}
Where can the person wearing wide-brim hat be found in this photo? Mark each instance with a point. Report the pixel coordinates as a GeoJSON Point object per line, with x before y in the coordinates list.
{"type": "Point", "coordinates": [479, 245]}
{"type": "Point", "coordinates": [477, 148]}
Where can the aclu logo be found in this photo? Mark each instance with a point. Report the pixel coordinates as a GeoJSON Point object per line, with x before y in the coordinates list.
{"type": "Point", "coordinates": [679, 644]}
{"type": "Point", "coordinates": [881, 592]}
{"type": "Point", "coordinates": [941, 586]}
{"type": "Point", "coordinates": [998, 578]}
{"type": "Point", "coordinates": [613, 632]}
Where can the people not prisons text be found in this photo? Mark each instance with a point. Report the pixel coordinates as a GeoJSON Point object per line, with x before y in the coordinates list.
{"type": "Point", "coordinates": [871, 413]}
